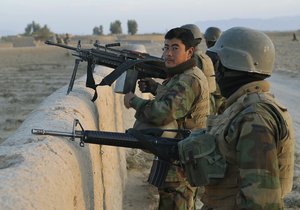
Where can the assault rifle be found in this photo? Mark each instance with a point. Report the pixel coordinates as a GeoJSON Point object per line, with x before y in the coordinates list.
{"type": "Point", "coordinates": [165, 149]}
{"type": "Point", "coordinates": [138, 65]}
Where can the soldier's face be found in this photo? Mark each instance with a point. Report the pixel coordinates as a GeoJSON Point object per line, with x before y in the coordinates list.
{"type": "Point", "coordinates": [174, 52]}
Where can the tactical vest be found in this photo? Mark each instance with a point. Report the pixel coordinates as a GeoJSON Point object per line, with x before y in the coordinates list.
{"type": "Point", "coordinates": [218, 126]}
{"type": "Point", "coordinates": [197, 115]}
{"type": "Point", "coordinates": [204, 63]}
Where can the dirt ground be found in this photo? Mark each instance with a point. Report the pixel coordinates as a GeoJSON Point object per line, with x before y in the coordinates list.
{"type": "Point", "coordinates": [30, 74]}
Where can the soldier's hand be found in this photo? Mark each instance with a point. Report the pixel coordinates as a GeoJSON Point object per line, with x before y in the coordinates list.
{"type": "Point", "coordinates": [148, 85]}
{"type": "Point", "coordinates": [127, 98]}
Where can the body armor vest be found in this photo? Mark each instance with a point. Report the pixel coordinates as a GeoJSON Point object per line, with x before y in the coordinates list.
{"type": "Point", "coordinates": [218, 126]}
{"type": "Point", "coordinates": [196, 117]}
{"type": "Point", "coordinates": [204, 63]}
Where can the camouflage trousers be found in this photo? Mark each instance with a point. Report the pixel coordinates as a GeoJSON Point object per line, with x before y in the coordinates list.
{"type": "Point", "coordinates": [176, 193]}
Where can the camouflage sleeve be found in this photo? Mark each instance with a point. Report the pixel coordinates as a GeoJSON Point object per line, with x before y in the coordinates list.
{"type": "Point", "coordinates": [174, 101]}
{"type": "Point", "coordinates": [257, 162]}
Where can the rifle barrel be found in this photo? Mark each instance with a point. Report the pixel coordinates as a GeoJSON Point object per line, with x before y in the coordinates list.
{"type": "Point", "coordinates": [60, 45]}
{"type": "Point", "coordinates": [96, 137]}
{"type": "Point", "coordinates": [55, 133]}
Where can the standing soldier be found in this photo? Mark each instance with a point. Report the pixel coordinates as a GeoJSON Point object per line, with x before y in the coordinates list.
{"type": "Point", "coordinates": [182, 98]}
{"type": "Point", "coordinates": [205, 64]}
{"type": "Point", "coordinates": [58, 39]}
{"type": "Point", "coordinates": [254, 134]}
{"type": "Point", "coordinates": [211, 35]}
{"type": "Point", "coordinates": [67, 39]}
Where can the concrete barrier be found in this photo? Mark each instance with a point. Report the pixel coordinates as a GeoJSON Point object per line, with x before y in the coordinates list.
{"type": "Point", "coordinates": [47, 172]}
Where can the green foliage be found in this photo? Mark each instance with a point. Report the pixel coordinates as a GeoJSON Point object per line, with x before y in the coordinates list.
{"type": "Point", "coordinates": [32, 28]}
{"type": "Point", "coordinates": [132, 27]}
{"type": "Point", "coordinates": [39, 33]}
{"type": "Point", "coordinates": [98, 30]}
{"type": "Point", "coordinates": [115, 27]}
{"type": "Point", "coordinates": [43, 34]}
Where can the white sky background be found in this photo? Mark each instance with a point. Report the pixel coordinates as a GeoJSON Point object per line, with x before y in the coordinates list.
{"type": "Point", "coordinates": [81, 16]}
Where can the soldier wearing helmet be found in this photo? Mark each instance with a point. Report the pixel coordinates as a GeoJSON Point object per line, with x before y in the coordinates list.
{"type": "Point", "coordinates": [205, 64]}
{"type": "Point", "coordinates": [255, 133]}
{"type": "Point", "coordinates": [211, 35]}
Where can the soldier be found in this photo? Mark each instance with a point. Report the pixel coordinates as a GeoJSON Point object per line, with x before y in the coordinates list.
{"type": "Point", "coordinates": [67, 39]}
{"type": "Point", "coordinates": [255, 133]}
{"type": "Point", "coordinates": [211, 35]}
{"type": "Point", "coordinates": [294, 37]}
{"type": "Point", "coordinates": [182, 98]}
{"type": "Point", "coordinates": [58, 39]}
{"type": "Point", "coordinates": [205, 64]}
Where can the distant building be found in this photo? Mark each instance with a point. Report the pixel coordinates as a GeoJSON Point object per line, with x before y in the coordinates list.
{"type": "Point", "coordinates": [21, 41]}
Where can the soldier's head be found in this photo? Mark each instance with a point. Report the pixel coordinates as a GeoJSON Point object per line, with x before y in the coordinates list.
{"type": "Point", "coordinates": [211, 35]}
{"type": "Point", "coordinates": [195, 31]}
{"type": "Point", "coordinates": [179, 46]}
{"type": "Point", "coordinates": [245, 55]}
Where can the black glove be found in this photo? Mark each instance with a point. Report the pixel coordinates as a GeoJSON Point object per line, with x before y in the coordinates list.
{"type": "Point", "coordinates": [148, 85]}
{"type": "Point", "coordinates": [164, 148]}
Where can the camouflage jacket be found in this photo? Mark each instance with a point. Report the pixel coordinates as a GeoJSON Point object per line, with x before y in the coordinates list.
{"type": "Point", "coordinates": [183, 97]}
{"type": "Point", "coordinates": [256, 137]}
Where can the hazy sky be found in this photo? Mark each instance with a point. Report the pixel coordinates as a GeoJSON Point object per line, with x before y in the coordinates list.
{"type": "Point", "coordinates": [81, 16]}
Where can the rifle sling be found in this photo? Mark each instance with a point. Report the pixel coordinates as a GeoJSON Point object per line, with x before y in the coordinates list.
{"type": "Point", "coordinates": [110, 78]}
{"type": "Point", "coordinates": [90, 81]}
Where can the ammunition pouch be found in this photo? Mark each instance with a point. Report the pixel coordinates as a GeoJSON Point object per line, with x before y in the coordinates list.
{"type": "Point", "coordinates": [201, 159]}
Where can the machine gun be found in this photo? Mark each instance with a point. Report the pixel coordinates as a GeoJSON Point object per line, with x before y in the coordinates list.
{"type": "Point", "coordinates": [137, 65]}
{"type": "Point", "coordinates": [165, 149]}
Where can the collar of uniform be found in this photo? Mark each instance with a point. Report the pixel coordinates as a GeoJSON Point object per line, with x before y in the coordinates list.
{"type": "Point", "coordinates": [252, 87]}
{"type": "Point", "coordinates": [181, 67]}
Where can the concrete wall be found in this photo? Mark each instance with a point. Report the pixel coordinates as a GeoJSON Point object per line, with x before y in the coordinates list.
{"type": "Point", "coordinates": [47, 172]}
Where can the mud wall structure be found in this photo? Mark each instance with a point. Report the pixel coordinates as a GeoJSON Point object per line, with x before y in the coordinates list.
{"type": "Point", "coordinates": [49, 172]}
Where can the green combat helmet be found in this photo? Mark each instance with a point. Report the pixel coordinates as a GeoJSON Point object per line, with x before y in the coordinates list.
{"type": "Point", "coordinates": [212, 34]}
{"type": "Point", "coordinates": [195, 31]}
{"type": "Point", "coordinates": [245, 49]}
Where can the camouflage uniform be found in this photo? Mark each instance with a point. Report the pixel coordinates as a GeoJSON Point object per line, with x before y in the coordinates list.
{"type": "Point", "coordinates": [211, 35]}
{"type": "Point", "coordinates": [256, 137]}
{"type": "Point", "coordinates": [183, 97]}
{"type": "Point", "coordinates": [205, 64]}
{"type": "Point", "coordinates": [217, 101]}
